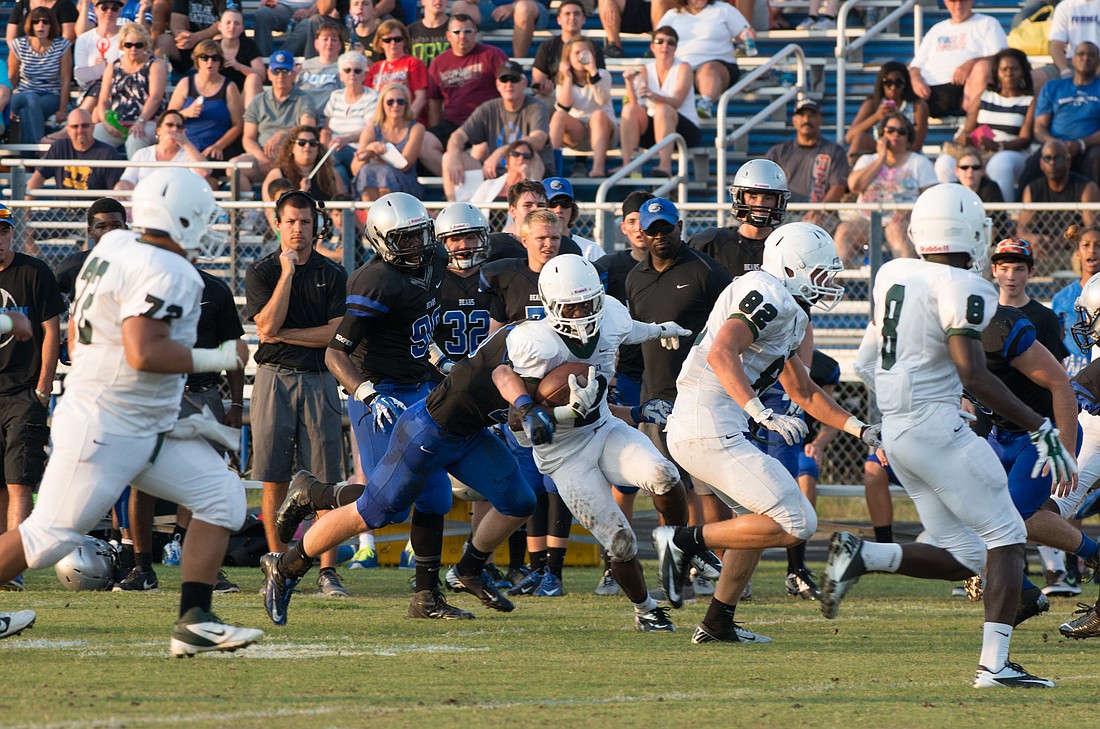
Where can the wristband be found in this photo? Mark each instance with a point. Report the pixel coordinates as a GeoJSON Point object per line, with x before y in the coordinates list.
{"type": "Point", "coordinates": [6, 324]}
{"type": "Point", "coordinates": [636, 413]}
{"type": "Point", "coordinates": [365, 392]}
{"type": "Point", "coordinates": [854, 426]}
{"type": "Point", "coordinates": [754, 408]}
{"type": "Point", "coordinates": [522, 400]}
{"type": "Point", "coordinates": [236, 405]}
{"type": "Point", "coordinates": [223, 357]}
{"type": "Point", "coordinates": [1083, 145]}
{"type": "Point", "coordinates": [41, 395]}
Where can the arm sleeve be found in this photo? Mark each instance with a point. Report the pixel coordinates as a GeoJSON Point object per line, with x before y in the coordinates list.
{"type": "Point", "coordinates": [867, 356]}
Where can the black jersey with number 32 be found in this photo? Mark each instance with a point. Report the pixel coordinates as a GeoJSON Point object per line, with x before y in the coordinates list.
{"type": "Point", "coordinates": [463, 315]}
{"type": "Point", "coordinates": [391, 318]}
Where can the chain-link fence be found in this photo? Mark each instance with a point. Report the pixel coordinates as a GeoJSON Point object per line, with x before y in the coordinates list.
{"type": "Point", "coordinates": [54, 229]}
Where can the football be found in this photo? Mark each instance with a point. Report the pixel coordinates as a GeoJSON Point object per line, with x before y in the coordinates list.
{"type": "Point", "coordinates": [553, 389]}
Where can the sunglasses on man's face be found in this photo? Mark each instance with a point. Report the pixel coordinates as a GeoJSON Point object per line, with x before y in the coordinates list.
{"type": "Point", "coordinates": [660, 228]}
{"type": "Point", "coordinates": [524, 155]}
{"type": "Point", "coordinates": [108, 8]}
{"type": "Point", "coordinates": [664, 42]}
{"type": "Point", "coordinates": [280, 71]}
{"type": "Point", "coordinates": [970, 168]}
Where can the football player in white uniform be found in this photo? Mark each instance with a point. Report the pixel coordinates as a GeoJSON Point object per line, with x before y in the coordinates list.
{"type": "Point", "coordinates": [751, 339]}
{"type": "Point", "coordinates": [132, 330]}
{"type": "Point", "coordinates": [592, 448]}
{"type": "Point", "coordinates": [923, 347]}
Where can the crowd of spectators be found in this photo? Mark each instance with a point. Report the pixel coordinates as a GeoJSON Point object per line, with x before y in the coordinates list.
{"type": "Point", "coordinates": [455, 105]}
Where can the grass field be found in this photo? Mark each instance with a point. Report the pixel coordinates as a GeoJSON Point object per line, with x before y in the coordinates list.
{"type": "Point", "coordinates": [901, 655]}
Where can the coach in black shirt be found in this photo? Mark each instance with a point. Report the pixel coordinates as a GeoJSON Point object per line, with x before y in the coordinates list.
{"type": "Point", "coordinates": [296, 297]}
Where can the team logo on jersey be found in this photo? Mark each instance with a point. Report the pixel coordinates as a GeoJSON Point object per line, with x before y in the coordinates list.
{"type": "Point", "coordinates": [7, 303]}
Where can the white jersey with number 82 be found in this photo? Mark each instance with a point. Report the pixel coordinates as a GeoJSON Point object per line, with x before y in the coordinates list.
{"type": "Point", "coordinates": [918, 306]}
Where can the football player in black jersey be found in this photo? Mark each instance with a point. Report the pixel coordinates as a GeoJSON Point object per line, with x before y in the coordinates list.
{"type": "Point", "coordinates": [447, 431]}
{"type": "Point", "coordinates": [759, 194]}
{"type": "Point", "coordinates": [523, 197]}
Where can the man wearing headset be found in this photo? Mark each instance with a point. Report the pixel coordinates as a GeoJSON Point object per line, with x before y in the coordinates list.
{"type": "Point", "coordinates": [296, 298]}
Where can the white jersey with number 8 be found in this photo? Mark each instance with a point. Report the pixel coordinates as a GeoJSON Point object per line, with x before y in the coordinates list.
{"type": "Point", "coordinates": [703, 408]}
{"type": "Point", "coordinates": [918, 306]}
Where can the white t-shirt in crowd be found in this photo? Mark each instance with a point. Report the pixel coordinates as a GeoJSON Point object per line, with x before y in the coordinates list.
{"type": "Point", "coordinates": [949, 45]}
{"type": "Point", "coordinates": [148, 154]}
{"type": "Point", "coordinates": [1076, 21]}
{"type": "Point", "coordinates": [708, 35]}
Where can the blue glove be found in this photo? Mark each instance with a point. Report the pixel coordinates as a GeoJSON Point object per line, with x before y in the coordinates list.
{"type": "Point", "coordinates": [385, 410]}
{"type": "Point", "coordinates": [652, 411]}
{"type": "Point", "coordinates": [537, 423]}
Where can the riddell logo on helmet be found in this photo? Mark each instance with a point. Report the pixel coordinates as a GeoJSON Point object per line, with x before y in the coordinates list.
{"type": "Point", "coordinates": [936, 249]}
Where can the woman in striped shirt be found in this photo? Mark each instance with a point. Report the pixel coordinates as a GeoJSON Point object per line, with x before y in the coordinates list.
{"type": "Point", "coordinates": [41, 71]}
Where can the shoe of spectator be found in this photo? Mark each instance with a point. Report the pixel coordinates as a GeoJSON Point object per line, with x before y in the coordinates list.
{"type": "Point", "coordinates": [550, 586]}
{"type": "Point", "coordinates": [654, 621]}
{"type": "Point", "coordinates": [612, 50]}
{"type": "Point", "coordinates": [1058, 586]}
{"type": "Point", "coordinates": [329, 584]}
{"type": "Point", "coordinates": [199, 631]}
{"type": "Point", "coordinates": [430, 605]}
{"type": "Point", "coordinates": [15, 623]}
{"type": "Point", "coordinates": [138, 580]}
{"type": "Point", "coordinates": [365, 558]}
{"type": "Point", "coordinates": [807, 23]}
{"type": "Point", "coordinates": [824, 24]}
{"type": "Point", "coordinates": [15, 584]}
{"type": "Point", "coordinates": [173, 551]}
{"type": "Point", "coordinates": [223, 585]}
{"type": "Point", "coordinates": [607, 585]}
{"type": "Point", "coordinates": [704, 107]}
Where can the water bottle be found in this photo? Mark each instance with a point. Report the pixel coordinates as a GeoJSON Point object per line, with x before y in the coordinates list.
{"type": "Point", "coordinates": [111, 117]}
{"type": "Point", "coordinates": [748, 43]}
{"type": "Point", "coordinates": [641, 90]}
{"type": "Point", "coordinates": [787, 75]}
{"type": "Point", "coordinates": [198, 103]}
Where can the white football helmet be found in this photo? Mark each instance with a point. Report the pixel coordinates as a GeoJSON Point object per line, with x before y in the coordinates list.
{"type": "Point", "coordinates": [399, 229]}
{"type": "Point", "coordinates": [1086, 332]}
{"type": "Point", "coordinates": [950, 218]}
{"type": "Point", "coordinates": [178, 203]}
{"type": "Point", "coordinates": [804, 258]}
{"type": "Point", "coordinates": [459, 218]}
{"type": "Point", "coordinates": [570, 279]}
{"type": "Point", "coordinates": [760, 175]}
{"type": "Point", "coordinates": [91, 566]}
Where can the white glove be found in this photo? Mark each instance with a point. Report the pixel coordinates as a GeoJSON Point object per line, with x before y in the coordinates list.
{"type": "Point", "coordinates": [791, 429]}
{"type": "Point", "coordinates": [581, 399]}
{"type": "Point", "coordinates": [652, 411]}
{"type": "Point", "coordinates": [871, 434]}
{"type": "Point", "coordinates": [205, 425]}
{"type": "Point", "coordinates": [1052, 456]}
{"type": "Point", "coordinates": [438, 359]}
{"type": "Point", "coordinates": [671, 333]}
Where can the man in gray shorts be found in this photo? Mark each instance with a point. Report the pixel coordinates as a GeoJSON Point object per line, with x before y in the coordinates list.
{"type": "Point", "coordinates": [296, 299]}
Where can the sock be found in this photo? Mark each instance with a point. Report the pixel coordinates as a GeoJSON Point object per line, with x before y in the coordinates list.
{"type": "Point", "coordinates": [796, 557]}
{"type": "Point", "coordinates": [427, 574]}
{"type": "Point", "coordinates": [426, 537]}
{"type": "Point", "coordinates": [644, 607]}
{"type": "Point", "coordinates": [472, 561]}
{"type": "Point", "coordinates": [295, 562]}
{"type": "Point", "coordinates": [538, 560]}
{"type": "Point", "coordinates": [343, 494]}
{"type": "Point", "coordinates": [555, 560]}
{"type": "Point", "coordinates": [881, 557]}
{"type": "Point", "coordinates": [1053, 559]}
{"type": "Point", "coordinates": [690, 539]}
{"type": "Point", "coordinates": [995, 639]}
{"type": "Point", "coordinates": [517, 548]}
{"type": "Point", "coordinates": [884, 534]}
{"type": "Point", "coordinates": [719, 614]}
{"type": "Point", "coordinates": [126, 556]}
{"type": "Point", "coordinates": [143, 561]}
{"type": "Point", "coordinates": [366, 540]}
{"type": "Point", "coordinates": [195, 594]}
{"type": "Point", "coordinates": [1087, 549]}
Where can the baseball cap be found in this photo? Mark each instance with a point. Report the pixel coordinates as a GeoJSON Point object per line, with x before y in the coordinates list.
{"type": "Point", "coordinates": [281, 59]}
{"type": "Point", "coordinates": [658, 209]}
{"type": "Point", "coordinates": [5, 215]}
{"type": "Point", "coordinates": [558, 187]}
{"type": "Point", "coordinates": [807, 105]}
{"type": "Point", "coordinates": [510, 70]}
{"type": "Point", "coordinates": [1013, 249]}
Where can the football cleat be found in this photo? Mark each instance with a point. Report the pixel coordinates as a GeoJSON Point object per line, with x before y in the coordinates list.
{"type": "Point", "coordinates": [654, 621]}
{"type": "Point", "coordinates": [430, 605]}
{"type": "Point", "coordinates": [707, 565]}
{"type": "Point", "coordinates": [138, 580]}
{"type": "Point", "coordinates": [800, 583]}
{"type": "Point", "coordinates": [732, 633]}
{"type": "Point", "coordinates": [15, 584]}
{"type": "Point", "coordinates": [199, 631]}
{"type": "Point", "coordinates": [492, 575]}
{"type": "Point", "coordinates": [329, 584]}
{"type": "Point", "coordinates": [15, 623]}
{"type": "Point", "coordinates": [607, 584]}
{"type": "Point", "coordinates": [277, 589]}
{"type": "Point", "coordinates": [550, 586]}
{"type": "Point", "coordinates": [973, 587]}
{"type": "Point", "coordinates": [223, 585]}
{"type": "Point", "coordinates": [746, 594]}
{"type": "Point", "coordinates": [1011, 675]}
{"type": "Point", "coordinates": [702, 586]}
{"type": "Point", "coordinates": [1032, 602]}
{"type": "Point", "coordinates": [528, 584]}
{"type": "Point", "coordinates": [843, 570]}
{"type": "Point", "coordinates": [486, 592]}
{"type": "Point", "coordinates": [1058, 586]}
{"type": "Point", "coordinates": [173, 551]}
{"type": "Point", "coordinates": [295, 507]}
{"type": "Point", "coordinates": [1086, 626]}
{"type": "Point", "coordinates": [672, 565]}
{"type": "Point", "coordinates": [517, 575]}
{"type": "Point", "coordinates": [365, 558]}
